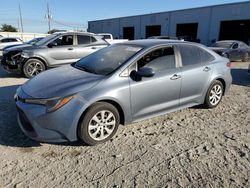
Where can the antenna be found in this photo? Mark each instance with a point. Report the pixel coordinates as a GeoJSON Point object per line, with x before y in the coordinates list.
{"type": "Point", "coordinates": [21, 19]}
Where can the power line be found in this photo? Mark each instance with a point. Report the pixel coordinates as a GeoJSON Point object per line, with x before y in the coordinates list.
{"type": "Point", "coordinates": [21, 19]}
{"type": "Point", "coordinates": [48, 16]}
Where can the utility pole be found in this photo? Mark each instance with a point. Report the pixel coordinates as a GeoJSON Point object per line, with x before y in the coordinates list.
{"type": "Point", "coordinates": [21, 19]}
{"type": "Point", "coordinates": [48, 16]}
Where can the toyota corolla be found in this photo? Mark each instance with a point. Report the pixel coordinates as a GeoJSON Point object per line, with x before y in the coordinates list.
{"type": "Point", "coordinates": [120, 84]}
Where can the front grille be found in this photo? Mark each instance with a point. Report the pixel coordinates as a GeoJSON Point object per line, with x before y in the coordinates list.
{"type": "Point", "coordinates": [25, 121]}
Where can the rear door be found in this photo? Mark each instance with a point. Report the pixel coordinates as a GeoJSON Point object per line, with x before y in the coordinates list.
{"type": "Point", "coordinates": [196, 70]}
{"type": "Point", "coordinates": [86, 45]}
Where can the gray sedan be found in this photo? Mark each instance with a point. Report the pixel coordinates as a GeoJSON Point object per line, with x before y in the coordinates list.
{"type": "Point", "coordinates": [232, 49]}
{"type": "Point", "coordinates": [120, 84]}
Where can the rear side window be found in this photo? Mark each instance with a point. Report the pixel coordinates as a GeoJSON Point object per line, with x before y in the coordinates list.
{"type": "Point", "coordinates": [82, 39]}
{"type": "Point", "coordinates": [192, 55]}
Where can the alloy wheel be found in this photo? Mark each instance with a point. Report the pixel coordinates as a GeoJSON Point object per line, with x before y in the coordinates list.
{"type": "Point", "coordinates": [101, 125]}
{"type": "Point", "coordinates": [215, 95]}
{"type": "Point", "coordinates": [34, 68]}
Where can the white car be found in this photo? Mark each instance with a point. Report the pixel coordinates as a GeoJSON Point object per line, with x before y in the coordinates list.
{"type": "Point", "coordinates": [109, 38]}
{"type": "Point", "coordinates": [7, 41]}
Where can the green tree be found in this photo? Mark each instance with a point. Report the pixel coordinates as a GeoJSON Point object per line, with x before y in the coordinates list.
{"type": "Point", "coordinates": [8, 28]}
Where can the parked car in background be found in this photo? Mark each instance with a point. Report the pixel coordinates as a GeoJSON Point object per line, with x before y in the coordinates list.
{"type": "Point", "coordinates": [120, 84]}
{"type": "Point", "coordinates": [189, 38]}
{"type": "Point", "coordinates": [232, 49]}
{"type": "Point", "coordinates": [109, 38]}
{"type": "Point", "coordinates": [8, 41]}
{"type": "Point", "coordinates": [52, 51]}
{"type": "Point", "coordinates": [30, 42]}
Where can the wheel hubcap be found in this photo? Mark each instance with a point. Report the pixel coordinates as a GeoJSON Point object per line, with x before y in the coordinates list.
{"type": "Point", "coordinates": [34, 68]}
{"type": "Point", "coordinates": [215, 95]}
{"type": "Point", "coordinates": [101, 125]}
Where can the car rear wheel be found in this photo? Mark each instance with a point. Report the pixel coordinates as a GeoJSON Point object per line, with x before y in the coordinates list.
{"type": "Point", "coordinates": [33, 67]}
{"type": "Point", "coordinates": [214, 94]}
{"type": "Point", "coordinates": [99, 124]}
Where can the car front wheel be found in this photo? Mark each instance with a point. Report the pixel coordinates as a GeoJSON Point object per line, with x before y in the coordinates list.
{"type": "Point", "coordinates": [33, 67]}
{"type": "Point", "coordinates": [214, 94]}
{"type": "Point", "coordinates": [99, 124]}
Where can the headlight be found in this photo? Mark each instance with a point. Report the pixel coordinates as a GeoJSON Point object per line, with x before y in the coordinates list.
{"type": "Point", "coordinates": [51, 104]}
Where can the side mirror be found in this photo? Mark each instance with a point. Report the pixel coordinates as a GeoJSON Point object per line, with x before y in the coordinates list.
{"type": "Point", "coordinates": [145, 72]}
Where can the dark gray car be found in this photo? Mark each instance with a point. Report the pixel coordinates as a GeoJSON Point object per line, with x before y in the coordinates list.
{"type": "Point", "coordinates": [120, 84]}
{"type": "Point", "coordinates": [232, 49]}
{"type": "Point", "coordinates": [52, 51]}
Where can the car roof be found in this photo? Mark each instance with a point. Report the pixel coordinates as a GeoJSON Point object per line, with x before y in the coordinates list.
{"type": "Point", "coordinates": [74, 32]}
{"type": "Point", "coordinates": [155, 42]}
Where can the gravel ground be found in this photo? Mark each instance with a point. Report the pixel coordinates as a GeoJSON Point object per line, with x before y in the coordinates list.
{"type": "Point", "coordinates": [190, 148]}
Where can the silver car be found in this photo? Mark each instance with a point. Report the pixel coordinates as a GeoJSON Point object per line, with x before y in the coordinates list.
{"type": "Point", "coordinates": [52, 51]}
{"type": "Point", "coordinates": [120, 84]}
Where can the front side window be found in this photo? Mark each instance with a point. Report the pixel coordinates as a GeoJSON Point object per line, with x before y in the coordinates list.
{"type": "Point", "coordinates": [235, 46]}
{"type": "Point", "coordinates": [159, 60]}
{"type": "Point", "coordinates": [192, 55]}
{"type": "Point", "coordinates": [64, 40]}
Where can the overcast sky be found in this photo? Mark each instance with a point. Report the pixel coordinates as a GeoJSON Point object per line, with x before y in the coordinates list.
{"type": "Point", "coordinates": [74, 14]}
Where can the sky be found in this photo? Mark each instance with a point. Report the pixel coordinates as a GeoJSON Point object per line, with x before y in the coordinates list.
{"type": "Point", "coordinates": [75, 14]}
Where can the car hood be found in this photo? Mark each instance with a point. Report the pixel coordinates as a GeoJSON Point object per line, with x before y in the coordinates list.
{"type": "Point", "coordinates": [17, 47]}
{"type": "Point", "coordinates": [60, 82]}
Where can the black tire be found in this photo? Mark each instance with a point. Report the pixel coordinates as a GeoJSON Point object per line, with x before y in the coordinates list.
{"type": "Point", "coordinates": [86, 134]}
{"type": "Point", "coordinates": [209, 102]}
{"type": "Point", "coordinates": [245, 57]}
{"type": "Point", "coordinates": [35, 64]}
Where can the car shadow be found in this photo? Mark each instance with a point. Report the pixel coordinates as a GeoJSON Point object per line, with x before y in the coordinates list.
{"type": "Point", "coordinates": [10, 132]}
{"type": "Point", "coordinates": [240, 77]}
{"type": "Point", "coordinates": [4, 74]}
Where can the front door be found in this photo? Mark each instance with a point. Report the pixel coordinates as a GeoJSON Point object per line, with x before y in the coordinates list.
{"type": "Point", "coordinates": [62, 50]}
{"type": "Point", "coordinates": [159, 93]}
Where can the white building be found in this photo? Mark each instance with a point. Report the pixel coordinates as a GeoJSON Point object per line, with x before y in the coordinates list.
{"type": "Point", "coordinates": [227, 21]}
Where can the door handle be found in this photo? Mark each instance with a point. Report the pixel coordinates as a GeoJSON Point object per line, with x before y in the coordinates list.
{"type": "Point", "coordinates": [175, 77]}
{"type": "Point", "coordinates": [70, 48]}
{"type": "Point", "coordinates": [206, 69]}
{"type": "Point", "coordinates": [93, 48]}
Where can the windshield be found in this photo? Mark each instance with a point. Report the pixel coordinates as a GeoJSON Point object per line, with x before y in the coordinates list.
{"type": "Point", "coordinates": [45, 40]}
{"type": "Point", "coordinates": [33, 41]}
{"type": "Point", "coordinates": [222, 44]}
{"type": "Point", "coordinates": [108, 59]}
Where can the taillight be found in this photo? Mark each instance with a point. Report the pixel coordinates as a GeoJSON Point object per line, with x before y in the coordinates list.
{"type": "Point", "coordinates": [229, 65]}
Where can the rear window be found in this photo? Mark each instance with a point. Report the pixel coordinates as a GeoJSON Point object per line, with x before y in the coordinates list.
{"type": "Point", "coordinates": [106, 36]}
{"type": "Point", "coordinates": [192, 55]}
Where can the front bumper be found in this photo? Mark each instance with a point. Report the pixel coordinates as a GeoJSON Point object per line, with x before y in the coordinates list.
{"type": "Point", "coordinates": [58, 126]}
{"type": "Point", "coordinates": [11, 65]}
